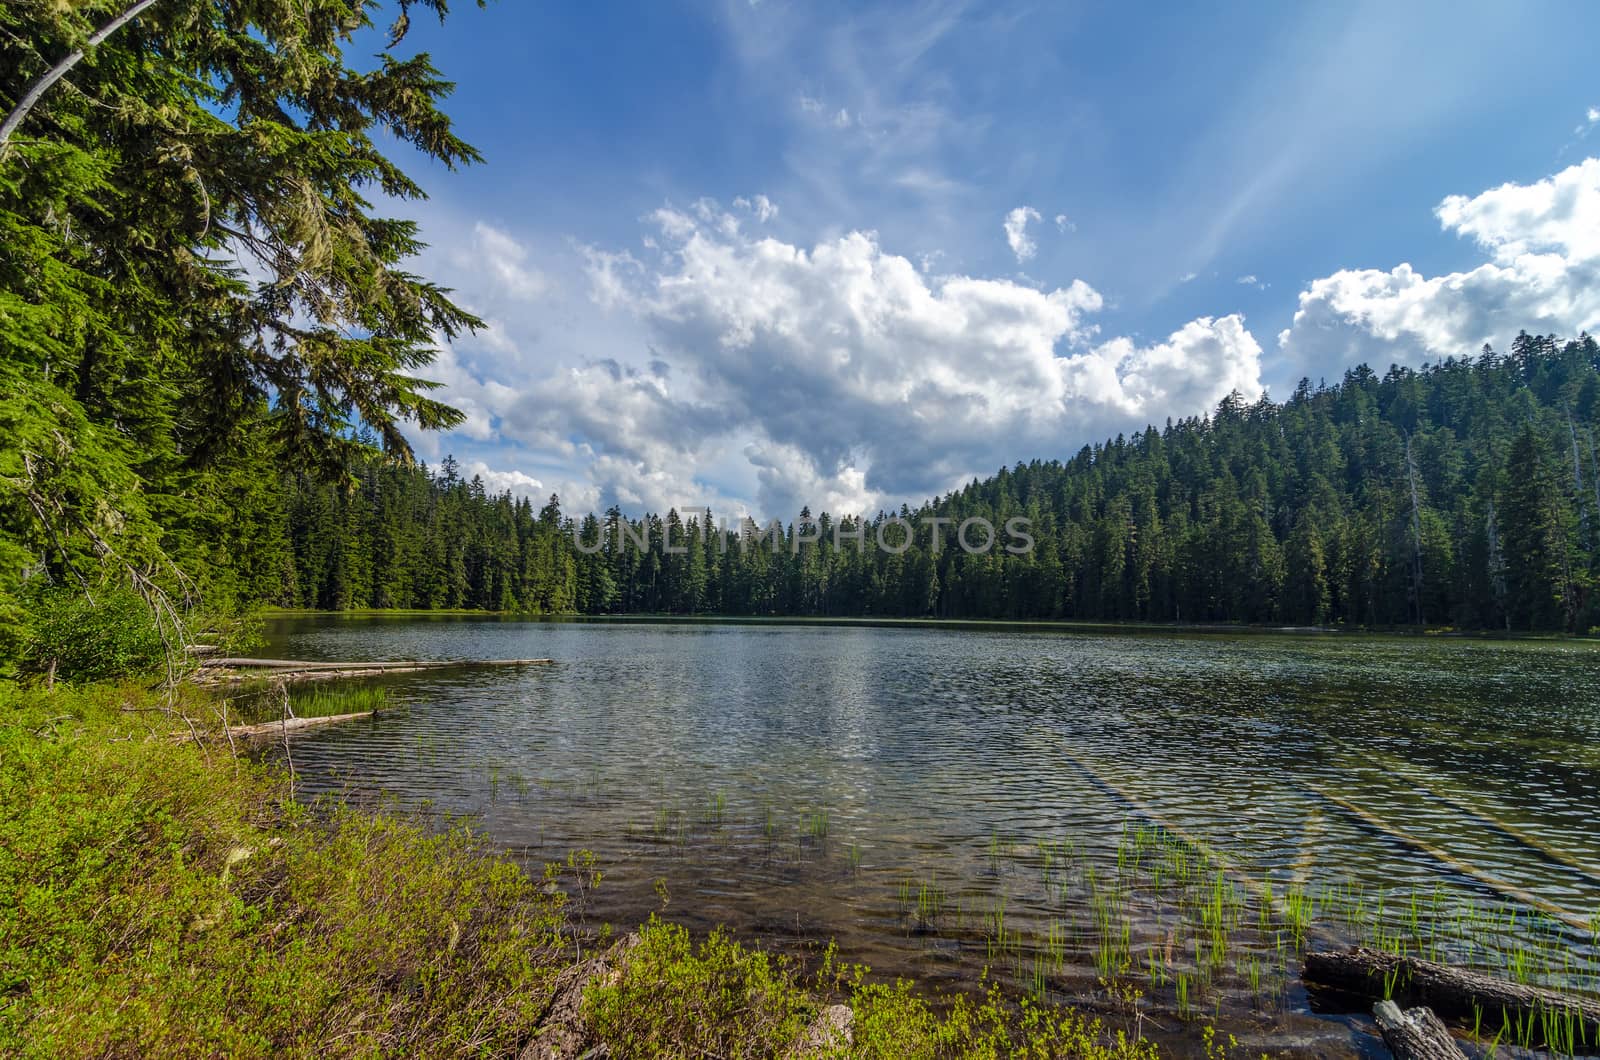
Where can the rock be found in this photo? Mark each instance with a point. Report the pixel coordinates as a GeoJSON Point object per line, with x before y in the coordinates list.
{"type": "Point", "coordinates": [562, 1033]}
{"type": "Point", "coordinates": [828, 1035]}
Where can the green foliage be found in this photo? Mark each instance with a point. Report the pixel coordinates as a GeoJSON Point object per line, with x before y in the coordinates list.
{"type": "Point", "coordinates": [79, 637]}
{"type": "Point", "coordinates": [157, 901]}
{"type": "Point", "coordinates": [194, 287]}
{"type": "Point", "coordinates": [675, 998]}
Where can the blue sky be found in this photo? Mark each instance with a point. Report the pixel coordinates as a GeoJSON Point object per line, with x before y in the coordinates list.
{"type": "Point", "coordinates": [756, 255]}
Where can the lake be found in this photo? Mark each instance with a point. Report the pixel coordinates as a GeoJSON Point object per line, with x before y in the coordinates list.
{"type": "Point", "coordinates": [1179, 810]}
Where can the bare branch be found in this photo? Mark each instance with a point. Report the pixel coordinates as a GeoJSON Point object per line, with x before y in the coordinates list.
{"type": "Point", "coordinates": [42, 84]}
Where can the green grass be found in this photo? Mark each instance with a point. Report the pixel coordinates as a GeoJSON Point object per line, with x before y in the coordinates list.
{"type": "Point", "coordinates": [718, 998]}
{"type": "Point", "coordinates": [158, 899]}
{"type": "Point", "coordinates": [323, 701]}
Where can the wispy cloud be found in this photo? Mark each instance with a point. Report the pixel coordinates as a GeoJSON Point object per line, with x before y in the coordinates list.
{"type": "Point", "coordinates": [1017, 238]}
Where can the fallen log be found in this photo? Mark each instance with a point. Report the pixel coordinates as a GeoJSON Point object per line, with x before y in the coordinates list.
{"type": "Point", "coordinates": [562, 1031]}
{"type": "Point", "coordinates": [260, 729]}
{"type": "Point", "coordinates": [231, 663]}
{"type": "Point", "coordinates": [1416, 1034]}
{"type": "Point", "coordinates": [1455, 992]}
{"type": "Point", "coordinates": [239, 671]}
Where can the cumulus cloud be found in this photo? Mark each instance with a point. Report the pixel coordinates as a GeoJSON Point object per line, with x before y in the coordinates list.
{"type": "Point", "coordinates": [606, 272]}
{"type": "Point", "coordinates": [1543, 274]}
{"type": "Point", "coordinates": [496, 482]}
{"type": "Point", "coordinates": [1016, 225]}
{"type": "Point", "coordinates": [861, 379]}
{"type": "Point", "coordinates": [1064, 225]}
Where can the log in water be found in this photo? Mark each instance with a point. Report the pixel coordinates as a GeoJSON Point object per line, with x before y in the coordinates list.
{"type": "Point", "coordinates": [1416, 1034]}
{"type": "Point", "coordinates": [1453, 992]}
{"type": "Point", "coordinates": [217, 671]}
{"type": "Point", "coordinates": [262, 729]}
{"type": "Point", "coordinates": [400, 664]}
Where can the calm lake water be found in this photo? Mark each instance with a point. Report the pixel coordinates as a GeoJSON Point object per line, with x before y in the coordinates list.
{"type": "Point", "coordinates": [939, 800]}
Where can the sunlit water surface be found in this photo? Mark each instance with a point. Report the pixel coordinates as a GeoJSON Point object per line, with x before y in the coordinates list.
{"type": "Point", "coordinates": [800, 783]}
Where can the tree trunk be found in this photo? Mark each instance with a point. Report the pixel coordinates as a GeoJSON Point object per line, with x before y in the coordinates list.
{"type": "Point", "coordinates": [1454, 992]}
{"type": "Point", "coordinates": [1416, 1034]}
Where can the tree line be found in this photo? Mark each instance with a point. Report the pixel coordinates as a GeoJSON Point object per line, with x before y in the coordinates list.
{"type": "Point", "coordinates": [1464, 494]}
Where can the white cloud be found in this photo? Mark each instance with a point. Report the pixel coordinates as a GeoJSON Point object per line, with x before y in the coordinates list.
{"type": "Point", "coordinates": [860, 378]}
{"type": "Point", "coordinates": [1064, 225]}
{"type": "Point", "coordinates": [1016, 225]}
{"type": "Point", "coordinates": [763, 208]}
{"type": "Point", "coordinates": [606, 272]}
{"type": "Point", "coordinates": [505, 262]}
{"type": "Point", "coordinates": [497, 482]}
{"type": "Point", "coordinates": [754, 374]}
{"type": "Point", "coordinates": [1543, 242]}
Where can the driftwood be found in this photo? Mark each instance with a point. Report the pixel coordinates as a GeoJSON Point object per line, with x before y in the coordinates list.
{"type": "Point", "coordinates": [1452, 992]}
{"type": "Point", "coordinates": [402, 664]}
{"type": "Point", "coordinates": [1416, 1034]}
{"type": "Point", "coordinates": [260, 729]}
{"type": "Point", "coordinates": [235, 670]}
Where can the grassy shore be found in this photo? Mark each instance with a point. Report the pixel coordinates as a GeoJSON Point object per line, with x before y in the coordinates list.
{"type": "Point", "coordinates": [159, 898]}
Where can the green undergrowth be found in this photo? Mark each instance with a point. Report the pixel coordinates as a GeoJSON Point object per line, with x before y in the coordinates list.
{"type": "Point", "coordinates": [156, 900]}
{"type": "Point", "coordinates": [160, 899]}
{"type": "Point", "coordinates": [718, 998]}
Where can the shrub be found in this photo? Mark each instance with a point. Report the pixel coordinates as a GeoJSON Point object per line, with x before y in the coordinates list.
{"type": "Point", "coordinates": [82, 637]}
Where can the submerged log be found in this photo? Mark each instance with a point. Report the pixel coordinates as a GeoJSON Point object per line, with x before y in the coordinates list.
{"type": "Point", "coordinates": [1494, 883]}
{"type": "Point", "coordinates": [1416, 1034]}
{"type": "Point", "coordinates": [1454, 992]}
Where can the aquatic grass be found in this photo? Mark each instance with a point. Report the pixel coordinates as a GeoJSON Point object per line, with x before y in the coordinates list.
{"type": "Point", "coordinates": [715, 809]}
{"type": "Point", "coordinates": [930, 902]}
{"type": "Point", "coordinates": [814, 826]}
{"type": "Point", "coordinates": [327, 701]}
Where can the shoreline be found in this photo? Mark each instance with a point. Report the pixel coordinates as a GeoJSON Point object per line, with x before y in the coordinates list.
{"type": "Point", "coordinates": [976, 625]}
